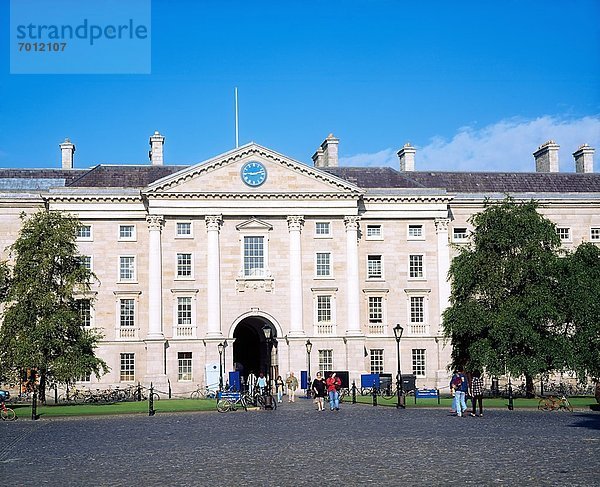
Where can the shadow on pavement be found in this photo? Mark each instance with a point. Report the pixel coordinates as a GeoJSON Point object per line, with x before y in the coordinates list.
{"type": "Point", "coordinates": [587, 420]}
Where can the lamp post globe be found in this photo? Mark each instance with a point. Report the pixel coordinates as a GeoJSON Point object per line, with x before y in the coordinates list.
{"type": "Point", "coordinates": [400, 404]}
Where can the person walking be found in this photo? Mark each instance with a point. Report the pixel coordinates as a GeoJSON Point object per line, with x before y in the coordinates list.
{"type": "Point", "coordinates": [477, 393]}
{"type": "Point", "coordinates": [319, 387]}
{"type": "Point", "coordinates": [261, 383]}
{"type": "Point", "coordinates": [279, 386]}
{"type": "Point", "coordinates": [251, 382]}
{"type": "Point", "coordinates": [459, 387]}
{"type": "Point", "coordinates": [292, 384]}
{"type": "Point", "coordinates": [333, 385]}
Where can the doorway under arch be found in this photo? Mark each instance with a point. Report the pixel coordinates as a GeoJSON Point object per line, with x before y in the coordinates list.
{"type": "Point", "coordinates": [250, 348]}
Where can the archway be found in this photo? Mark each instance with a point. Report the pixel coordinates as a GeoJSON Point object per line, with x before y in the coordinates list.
{"type": "Point", "coordinates": [250, 348]}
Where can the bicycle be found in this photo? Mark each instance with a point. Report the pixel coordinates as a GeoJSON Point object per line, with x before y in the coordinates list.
{"type": "Point", "coordinates": [552, 403]}
{"type": "Point", "coordinates": [205, 393]}
{"type": "Point", "coordinates": [7, 414]}
{"type": "Point", "coordinates": [230, 404]}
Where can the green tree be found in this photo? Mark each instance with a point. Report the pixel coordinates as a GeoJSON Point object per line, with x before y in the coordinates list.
{"type": "Point", "coordinates": [504, 313]}
{"type": "Point", "coordinates": [580, 281]}
{"type": "Point", "coordinates": [41, 323]}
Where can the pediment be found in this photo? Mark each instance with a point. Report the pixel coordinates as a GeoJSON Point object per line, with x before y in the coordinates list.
{"type": "Point", "coordinates": [223, 175]}
{"type": "Point", "coordinates": [254, 225]}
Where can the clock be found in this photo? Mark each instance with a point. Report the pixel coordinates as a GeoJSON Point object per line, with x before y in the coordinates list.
{"type": "Point", "coordinates": [254, 173]}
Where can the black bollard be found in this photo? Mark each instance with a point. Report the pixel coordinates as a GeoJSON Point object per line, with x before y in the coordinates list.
{"type": "Point", "coordinates": [139, 392]}
{"type": "Point", "coordinates": [34, 415]}
{"type": "Point", "coordinates": [169, 381]}
{"type": "Point", "coordinates": [374, 393]}
{"type": "Point", "coordinates": [353, 392]}
{"type": "Point", "coordinates": [55, 394]}
{"type": "Point", "coordinates": [510, 397]}
{"type": "Point", "coordinates": [151, 410]}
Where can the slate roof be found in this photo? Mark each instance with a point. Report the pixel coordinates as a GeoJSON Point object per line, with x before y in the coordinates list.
{"type": "Point", "coordinates": [123, 176]}
{"type": "Point", "coordinates": [469, 182]}
{"type": "Point", "coordinates": [127, 176]}
{"type": "Point", "coordinates": [37, 179]}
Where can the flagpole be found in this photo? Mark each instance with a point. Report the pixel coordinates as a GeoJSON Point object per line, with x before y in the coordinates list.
{"type": "Point", "coordinates": [237, 138]}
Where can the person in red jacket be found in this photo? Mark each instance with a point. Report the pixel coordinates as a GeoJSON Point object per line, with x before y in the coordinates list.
{"type": "Point", "coordinates": [333, 385]}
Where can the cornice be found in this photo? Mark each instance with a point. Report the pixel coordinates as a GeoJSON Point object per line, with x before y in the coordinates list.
{"type": "Point", "coordinates": [90, 198]}
{"type": "Point", "coordinates": [407, 198]}
{"type": "Point", "coordinates": [250, 196]}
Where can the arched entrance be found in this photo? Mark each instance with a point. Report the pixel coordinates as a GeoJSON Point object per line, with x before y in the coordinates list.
{"type": "Point", "coordinates": [251, 350]}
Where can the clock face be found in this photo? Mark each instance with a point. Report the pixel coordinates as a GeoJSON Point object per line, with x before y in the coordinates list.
{"type": "Point", "coordinates": [254, 173]}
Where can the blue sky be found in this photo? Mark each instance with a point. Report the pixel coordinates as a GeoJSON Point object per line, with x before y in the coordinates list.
{"type": "Point", "coordinates": [473, 85]}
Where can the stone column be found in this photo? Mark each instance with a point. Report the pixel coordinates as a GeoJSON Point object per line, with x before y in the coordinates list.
{"type": "Point", "coordinates": [295, 278]}
{"type": "Point", "coordinates": [155, 224]}
{"type": "Point", "coordinates": [352, 283]}
{"type": "Point", "coordinates": [155, 340]}
{"type": "Point", "coordinates": [213, 280]}
{"type": "Point", "coordinates": [443, 258]}
{"type": "Point", "coordinates": [443, 255]}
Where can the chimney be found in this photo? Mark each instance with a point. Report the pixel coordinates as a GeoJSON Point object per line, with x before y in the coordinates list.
{"type": "Point", "coordinates": [156, 149]}
{"type": "Point", "coordinates": [546, 157]}
{"type": "Point", "coordinates": [318, 158]}
{"type": "Point", "coordinates": [327, 154]}
{"type": "Point", "coordinates": [407, 157]}
{"type": "Point", "coordinates": [67, 150]}
{"type": "Point", "coordinates": [584, 159]}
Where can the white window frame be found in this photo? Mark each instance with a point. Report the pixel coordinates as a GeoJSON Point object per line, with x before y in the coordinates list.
{"type": "Point", "coordinates": [325, 360]}
{"type": "Point", "coordinates": [595, 234]}
{"type": "Point", "coordinates": [127, 332]}
{"type": "Point", "coordinates": [376, 360]}
{"type": "Point", "coordinates": [265, 257]}
{"type": "Point", "coordinates": [185, 367]}
{"type": "Point", "coordinates": [371, 234]}
{"type": "Point", "coordinates": [421, 277]}
{"type": "Point", "coordinates": [91, 311]}
{"type": "Point", "coordinates": [329, 265]}
{"type": "Point", "coordinates": [184, 235]}
{"type": "Point", "coordinates": [87, 238]}
{"type": "Point", "coordinates": [254, 228]}
{"type": "Point", "coordinates": [134, 277]}
{"type": "Point", "coordinates": [379, 277]}
{"type": "Point", "coordinates": [131, 238]}
{"type": "Point", "coordinates": [324, 327]}
{"type": "Point", "coordinates": [417, 328]}
{"type": "Point", "coordinates": [181, 330]}
{"type": "Point", "coordinates": [373, 326]}
{"type": "Point", "coordinates": [459, 236]}
{"type": "Point", "coordinates": [323, 235]}
{"type": "Point", "coordinates": [419, 362]}
{"type": "Point", "coordinates": [129, 366]}
{"type": "Point", "coordinates": [569, 237]}
{"type": "Point", "coordinates": [87, 261]}
{"type": "Point", "coordinates": [415, 237]}
{"type": "Point", "coordinates": [183, 277]}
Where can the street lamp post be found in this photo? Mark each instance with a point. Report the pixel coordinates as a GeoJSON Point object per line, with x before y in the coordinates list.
{"type": "Point", "coordinates": [221, 348]}
{"type": "Point", "coordinates": [267, 331]}
{"type": "Point", "coordinates": [398, 330]}
{"type": "Point", "coordinates": [308, 350]}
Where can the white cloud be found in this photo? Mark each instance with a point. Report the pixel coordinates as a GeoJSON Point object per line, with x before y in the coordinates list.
{"type": "Point", "coordinates": [507, 145]}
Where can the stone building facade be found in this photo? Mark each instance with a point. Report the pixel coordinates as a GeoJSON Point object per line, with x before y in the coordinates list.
{"type": "Point", "coordinates": [192, 257]}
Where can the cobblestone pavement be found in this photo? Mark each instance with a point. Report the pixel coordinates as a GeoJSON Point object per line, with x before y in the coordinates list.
{"type": "Point", "coordinates": [296, 445]}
